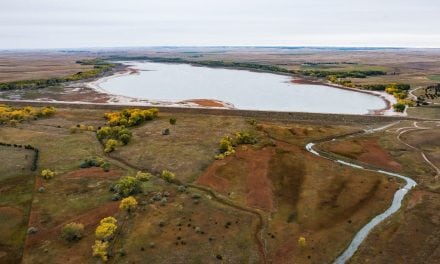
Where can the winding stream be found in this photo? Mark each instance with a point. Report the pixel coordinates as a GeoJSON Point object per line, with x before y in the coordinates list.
{"type": "Point", "coordinates": [362, 234]}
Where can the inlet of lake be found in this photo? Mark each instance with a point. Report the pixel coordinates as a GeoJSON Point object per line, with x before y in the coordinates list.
{"type": "Point", "coordinates": [241, 88]}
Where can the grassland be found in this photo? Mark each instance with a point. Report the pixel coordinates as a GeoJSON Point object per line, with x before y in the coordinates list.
{"type": "Point", "coordinates": [39, 65]}
{"type": "Point", "coordinates": [250, 207]}
{"type": "Point", "coordinates": [416, 227]}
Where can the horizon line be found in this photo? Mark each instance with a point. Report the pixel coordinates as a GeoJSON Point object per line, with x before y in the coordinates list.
{"type": "Point", "coordinates": [223, 46]}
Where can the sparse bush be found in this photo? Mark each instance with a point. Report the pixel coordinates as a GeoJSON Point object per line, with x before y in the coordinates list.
{"type": "Point", "coordinates": [128, 204]}
{"type": "Point", "coordinates": [245, 138]}
{"type": "Point", "coordinates": [302, 242]}
{"type": "Point", "coordinates": [73, 130]}
{"type": "Point", "coordinates": [399, 107]}
{"type": "Point", "coordinates": [143, 176]}
{"type": "Point", "coordinates": [47, 174]}
{"type": "Point", "coordinates": [168, 175]}
{"type": "Point", "coordinates": [173, 120]}
{"type": "Point", "coordinates": [100, 249]}
{"type": "Point", "coordinates": [92, 162]}
{"type": "Point", "coordinates": [72, 232]}
{"type": "Point", "coordinates": [105, 166]}
{"type": "Point", "coordinates": [226, 144]}
{"type": "Point", "coordinates": [166, 132]}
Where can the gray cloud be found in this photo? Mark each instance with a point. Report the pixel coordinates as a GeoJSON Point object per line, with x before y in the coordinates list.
{"type": "Point", "coordinates": [62, 23]}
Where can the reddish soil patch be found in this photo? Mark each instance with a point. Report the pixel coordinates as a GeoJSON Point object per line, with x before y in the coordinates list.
{"type": "Point", "coordinates": [10, 211]}
{"type": "Point", "coordinates": [258, 186]}
{"type": "Point", "coordinates": [94, 172]}
{"type": "Point", "coordinates": [376, 155]}
{"type": "Point", "coordinates": [206, 102]}
{"type": "Point", "coordinates": [365, 150]}
{"type": "Point", "coordinates": [89, 219]}
{"type": "Point", "coordinates": [210, 179]}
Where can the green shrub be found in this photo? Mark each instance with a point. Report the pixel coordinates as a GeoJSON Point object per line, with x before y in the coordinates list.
{"type": "Point", "coordinates": [168, 175]}
{"type": "Point", "coordinates": [110, 145]}
{"type": "Point", "coordinates": [92, 162]}
{"type": "Point", "coordinates": [173, 120]}
{"type": "Point", "coordinates": [127, 185]}
{"type": "Point", "coordinates": [72, 231]}
{"type": "Point", "coordinates": [143, 176]}
{"type": "Point", "coordinates": [105, 166]}
{"type": "Point", "coordinates": [399, 107]}
{"type": "Point", "coordinates": [245, 138]}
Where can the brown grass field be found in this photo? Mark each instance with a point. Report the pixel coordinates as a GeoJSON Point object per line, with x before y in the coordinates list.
{"type": "Point", "coordinates": [38, 65]}
{"type": "Point", "coordinates": [277, 181]}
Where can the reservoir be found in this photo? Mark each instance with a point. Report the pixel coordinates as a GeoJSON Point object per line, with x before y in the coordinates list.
{"type": "Point", "coordinates": [240, 88]}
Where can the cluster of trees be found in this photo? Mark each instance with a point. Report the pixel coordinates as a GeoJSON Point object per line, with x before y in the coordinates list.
{"type": "Point", "coordinates": [104, 233]}
{"type": "Point", "coordinates": [34, 149]}
{"type": "Point", "coordinates": [131, 117]}
{"type": "Point", "coordinates": [227, 144]}
{"type": "Point", "coordinates": [114, 136]}
{"type": "Point", "coordinates": [340, 74]}
{"type": "Point", "coordinates": [95, 162]}
{"type": "Point", "coordinates": [99, 68]}
{"type": "Point", "coordinates": [13, 115]}
{"type": "Point", "coordinates": [117, 133]}
{"type": "Point", "coordinates": [400, 92]}
{"type": "Point", "coordinates": [432, 91]}
{"type": "Point", "coordinates": [210, 63]}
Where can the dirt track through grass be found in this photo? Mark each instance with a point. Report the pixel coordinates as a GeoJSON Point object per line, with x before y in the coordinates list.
{"type": "Point", "coordinates": [260, 225]}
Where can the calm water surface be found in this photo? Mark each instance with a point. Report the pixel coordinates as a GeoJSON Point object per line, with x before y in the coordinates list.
{"type": "Point", "coordinates": [243, 89]}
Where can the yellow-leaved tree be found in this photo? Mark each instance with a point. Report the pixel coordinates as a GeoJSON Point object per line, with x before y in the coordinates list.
{"type": "Point", "coordinates": [100, 249]}
{"type": "Point", "coordinates": [128, 204]}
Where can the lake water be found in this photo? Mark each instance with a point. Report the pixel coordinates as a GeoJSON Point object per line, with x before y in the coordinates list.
{"type": "Point", "coordinates": [243, 89]}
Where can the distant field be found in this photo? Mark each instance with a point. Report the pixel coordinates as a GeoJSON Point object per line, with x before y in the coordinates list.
{"type": "Point", "coordinates": [434, 78]}
{"type": "Point", "coordinates": [28, 66]}
{"type": "Point", "coordinates": [343, 67]}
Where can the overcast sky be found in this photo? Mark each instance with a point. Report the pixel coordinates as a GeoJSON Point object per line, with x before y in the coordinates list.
{"type": "Point", "coordinates": [114, 23]}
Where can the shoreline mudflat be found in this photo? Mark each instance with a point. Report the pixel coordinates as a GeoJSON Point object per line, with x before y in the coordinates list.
{"type": "Point", "coordinates": [264, 115]}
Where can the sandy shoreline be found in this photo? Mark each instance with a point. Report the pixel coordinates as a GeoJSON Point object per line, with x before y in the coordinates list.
{"type": "Point", "coordinates": [213, 103]}
{"type": "Point", "coordinates": [387, 98]}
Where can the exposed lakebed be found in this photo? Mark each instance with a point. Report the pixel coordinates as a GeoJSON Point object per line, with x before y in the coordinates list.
{"type": "Point", "coordinates": [241, 89]}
